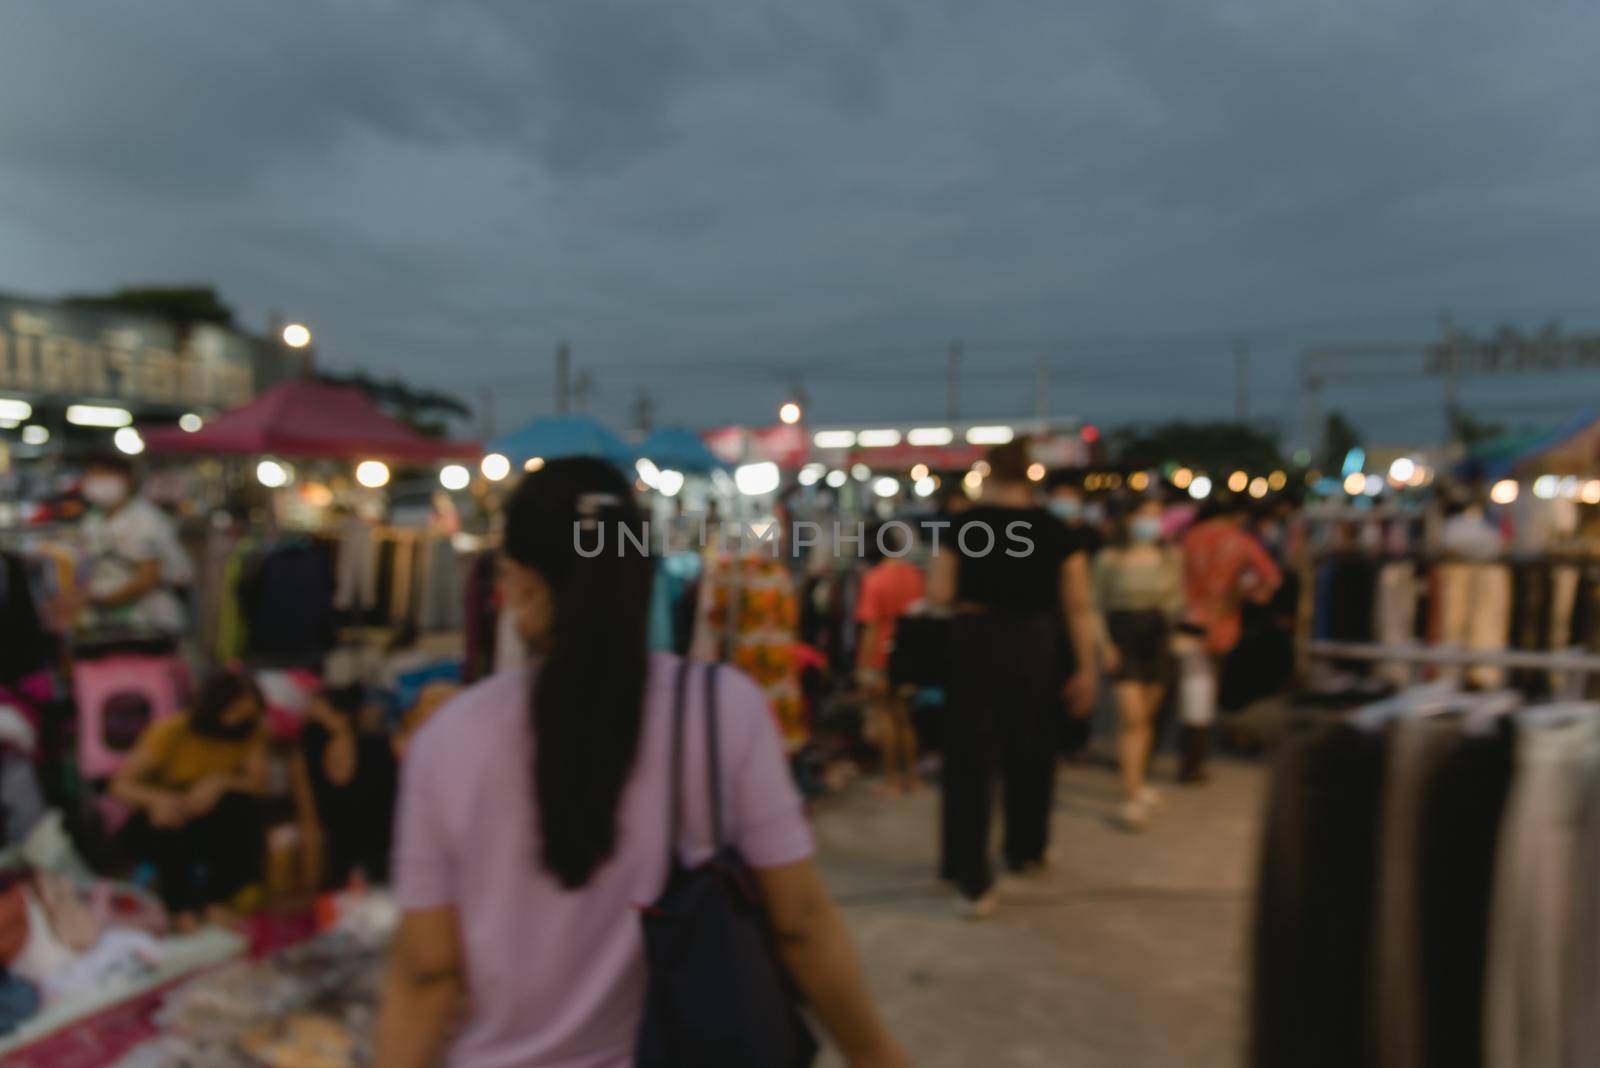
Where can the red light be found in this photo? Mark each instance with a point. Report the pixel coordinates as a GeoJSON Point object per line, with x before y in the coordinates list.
{"type": "Point", "coordinates": [1090, 433]}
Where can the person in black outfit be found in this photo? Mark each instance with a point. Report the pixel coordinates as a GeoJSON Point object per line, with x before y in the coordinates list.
{"type": "Point", "coordinates": [345, 781]}
{"type": "Point", "coordinates": [1004, 568]}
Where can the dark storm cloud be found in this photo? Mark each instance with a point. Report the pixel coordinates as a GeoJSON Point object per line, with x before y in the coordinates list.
{"type": "Point", "coordinates": [834, 188]}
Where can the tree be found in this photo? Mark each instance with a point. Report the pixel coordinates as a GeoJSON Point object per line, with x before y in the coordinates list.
{"type": "Point", "coordinates": [424, 410]}
{"type": "Point", "coordinates": [1468, 430]}
{"type": "Point", "coordinates": [1217, 447]}
{"type": "Point", "coordinates": [1339, 436]}
{"type": "Point", "coordinates": [181, 304]}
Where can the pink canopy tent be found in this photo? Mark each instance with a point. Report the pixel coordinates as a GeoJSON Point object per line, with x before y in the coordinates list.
{"type": "Point", "coordinates": [310, 419]}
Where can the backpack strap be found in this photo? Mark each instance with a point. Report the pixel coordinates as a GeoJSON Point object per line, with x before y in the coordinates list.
{"type": "Point", "coordinates": [713, 761]}
{"type": "Point", "coordinates": [674, 802]}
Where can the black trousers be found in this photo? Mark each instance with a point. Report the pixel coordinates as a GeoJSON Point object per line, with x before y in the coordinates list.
{"type": "Point", "coordinates": [1000, 722]}
{"type": "Point", "coordinates": [207, 860]}
{"type": "Point", "coordinates": [1312, 962]}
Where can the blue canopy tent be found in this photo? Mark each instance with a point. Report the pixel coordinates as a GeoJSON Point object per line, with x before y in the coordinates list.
{"type": "Point", "coordinates": [1571, 449]}
{"type": "Point", "coordinates": [678, 449]}
{"type": "Point", "coordinates": [560, 436]}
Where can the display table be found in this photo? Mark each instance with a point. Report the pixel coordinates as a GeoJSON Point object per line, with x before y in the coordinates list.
{"type": "Point", "coordinates": [93, 1030]}
{"type": "Point", "coordinates": [281, 996]}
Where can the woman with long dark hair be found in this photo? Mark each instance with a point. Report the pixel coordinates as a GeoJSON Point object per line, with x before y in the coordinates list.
{"type": "Point", "coordinates": [533, 816]}
{"type": "Point", "coordinates": [1014, 575]}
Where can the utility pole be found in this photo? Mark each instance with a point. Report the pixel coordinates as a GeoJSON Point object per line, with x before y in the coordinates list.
{"type": "Point", "coordinates": [486, 414]}
{"type": "Point", "coordinates": [1041, 393]}
{"type": "Point", "coordinates": [1447, 324]}
{"type": "Point", "coordinates": [954, 407]}
{"type": "Point", "coordinates": [644, 410]}
{"type": "Point", "coordinates": [563, 375]}
{"type": "Point", "coordinates": [582, 390]}
{"type": "Point", "coordinates": [1311, 361]}
{"type": "Point", "coordinates": [1241, 384]}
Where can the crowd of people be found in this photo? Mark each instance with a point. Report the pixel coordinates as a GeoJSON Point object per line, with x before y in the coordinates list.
{"type": "Point", "coordinates": [531, 807]}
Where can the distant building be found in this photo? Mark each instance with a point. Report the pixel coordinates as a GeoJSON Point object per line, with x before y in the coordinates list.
{"type": "Point", "coordinates": [55, 355]}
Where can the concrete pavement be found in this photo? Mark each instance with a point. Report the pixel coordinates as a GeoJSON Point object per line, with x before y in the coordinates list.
{"type": "Point", "coordinates": [1128, 953]}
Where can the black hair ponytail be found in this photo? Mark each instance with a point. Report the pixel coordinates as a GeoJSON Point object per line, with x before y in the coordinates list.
{"type": "Point", "coordinates": [587, 702]}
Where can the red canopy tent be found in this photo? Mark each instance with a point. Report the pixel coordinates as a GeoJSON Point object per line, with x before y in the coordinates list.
{"type": "Point", "coordinates": [303, 418]}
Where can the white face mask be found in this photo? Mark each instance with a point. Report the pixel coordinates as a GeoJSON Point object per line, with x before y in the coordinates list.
{"type": "Point", "coordinates": [104, 491]}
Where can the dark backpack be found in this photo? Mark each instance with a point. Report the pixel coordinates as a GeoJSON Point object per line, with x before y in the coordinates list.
{"type": "Point", "coordinates": [717, 996]}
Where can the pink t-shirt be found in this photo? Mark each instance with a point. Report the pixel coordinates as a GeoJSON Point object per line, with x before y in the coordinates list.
{"type": "Point", "coordinates": [556, 977]}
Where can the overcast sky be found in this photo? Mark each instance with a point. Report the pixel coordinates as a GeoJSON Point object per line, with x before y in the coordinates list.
{"type": "Point", "coordinates": [709, 199]}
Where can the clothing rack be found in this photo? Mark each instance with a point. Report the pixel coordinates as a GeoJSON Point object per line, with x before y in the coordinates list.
{"type": "Point", "coordinates": [1426, 888]}
{"type": "Point", "coordinates": [1561, 660]}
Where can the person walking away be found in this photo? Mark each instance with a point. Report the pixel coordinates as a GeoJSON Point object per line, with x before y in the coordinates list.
{"type": "Point", "coordinates": [888, 590]}
{"type": "Point", "coordinates": [132, 558]}
{"type": "Point", "coordinates": [195, 781]}
{"type": "Point", "coordinates": [533, 820]}
{"type": "Point", "coordinates": [1067, 504]}
{"type": "Point", "coordinates": [1138, 584]}
{"type": "Point", "coordinates": [1005, 570]}
{"type": "Point", "coordinates": [1223, 566]}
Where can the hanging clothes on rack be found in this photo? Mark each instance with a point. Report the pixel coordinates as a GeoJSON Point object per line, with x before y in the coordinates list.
{"type": "Point", "coordinates": [676, 579]}
{"type": "Point", "coordinates": [1425, 895]}
{"type": "Point", "coordinates": [748, 617]}
{"type": "Point", "coordinates": [1395, 614]}
{"type": "Point", "coordinates": [356, 593]}
{"type": "Point", "coordinates": [286, 599]}
{"type": "Point", "coordinates": [1548, 827]}
{"type": "Point", "coordinates": [440, 607]}
{"type": "Point", "coordinates": [25, 647]}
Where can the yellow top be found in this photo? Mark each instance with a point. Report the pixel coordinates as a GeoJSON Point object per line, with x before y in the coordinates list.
{"type": "Point", "coordinates": [179, 757]}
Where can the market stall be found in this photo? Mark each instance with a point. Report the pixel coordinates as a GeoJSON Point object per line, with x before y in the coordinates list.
{"type": "Point", "coordinates": [305, 418]}
{"type": "Point", "coordinates": [292, 598]}
{"type": "Point", "coordinates": [557, 436]}
{"type": "Point", "coordinates": [214, 1000]}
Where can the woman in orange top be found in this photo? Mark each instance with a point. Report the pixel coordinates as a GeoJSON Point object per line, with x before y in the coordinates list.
{"type": "Point", "coordinates": [888, 590]}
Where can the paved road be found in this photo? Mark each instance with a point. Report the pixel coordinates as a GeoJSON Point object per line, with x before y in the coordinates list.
{"type": "Point", "coordinates": [1128, 953]}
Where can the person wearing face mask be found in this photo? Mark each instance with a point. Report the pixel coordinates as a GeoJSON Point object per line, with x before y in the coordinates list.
{"type": "Point", "coordinates": [131, 557]}
{"type": "Point", "coordinates": [1138, 584]}
{"type": "Point", "coordinates": [1067, 504]}
{"type": "Point", "coordinates": [194, 781]}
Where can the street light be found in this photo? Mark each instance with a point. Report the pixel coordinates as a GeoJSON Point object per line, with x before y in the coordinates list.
{"type": "Point", "coordinates": [127, 440]}
{"type": "Point", "coordinates": [495, 466]}
{"type": "Point", "coordinates": [372, 474]}
{"type": "Point", "coordinates": [758, 479]}
{"type": "Point", "coordinates": [271, 474]}
{"type": "Point", "coordinates": [296, 335]}
{"type": "Point", "coordinates": [789, 413]}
